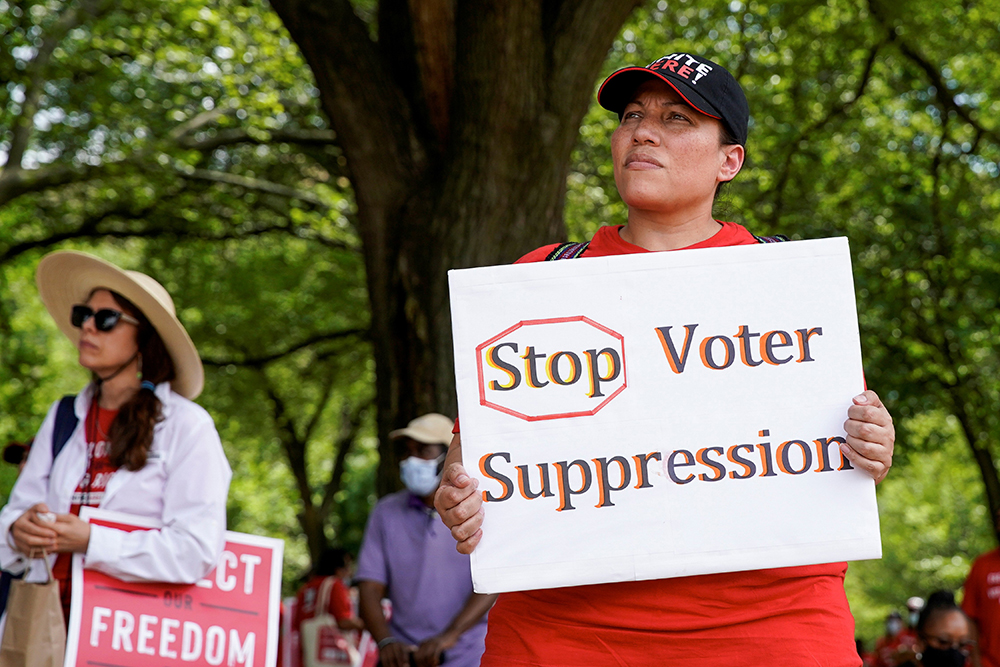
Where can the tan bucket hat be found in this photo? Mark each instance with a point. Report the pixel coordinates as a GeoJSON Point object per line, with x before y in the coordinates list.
{"type": "Point", "coordinates": [66, 278]}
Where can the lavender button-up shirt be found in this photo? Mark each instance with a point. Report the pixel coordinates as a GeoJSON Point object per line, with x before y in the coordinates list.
{"type": "Point", "coordinates": [409, 550]}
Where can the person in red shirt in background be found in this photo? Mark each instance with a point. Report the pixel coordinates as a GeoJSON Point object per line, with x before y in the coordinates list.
{"type": "Point", "coordinates": [944, 634]}
{"type": "Point", "coordinates": [682, 134]}
{"type": "Point", "coordinates": [332, 563]}
{"type": "Point", "coordinates": [982, 605]}
{"type": "Point", "coordinates": [896, 645]}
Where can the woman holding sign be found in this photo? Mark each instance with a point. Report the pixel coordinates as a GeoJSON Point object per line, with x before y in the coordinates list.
{"type": "Point", "coordinates": [684, 122]}
{"type": "Point", "coordinates": [132, 441]}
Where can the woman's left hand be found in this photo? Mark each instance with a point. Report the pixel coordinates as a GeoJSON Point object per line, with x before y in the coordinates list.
{"type": "Point", "coordinates": [73, 533]}
{"type": "Point", "coordinates": [870, 435]}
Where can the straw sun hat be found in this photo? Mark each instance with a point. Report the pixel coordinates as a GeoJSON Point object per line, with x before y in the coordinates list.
{"type": "Point", "coordinates": [66, 278]}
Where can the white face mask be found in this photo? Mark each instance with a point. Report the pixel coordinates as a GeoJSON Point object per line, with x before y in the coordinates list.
{"type": "Point", "coordinates": [421, 476]}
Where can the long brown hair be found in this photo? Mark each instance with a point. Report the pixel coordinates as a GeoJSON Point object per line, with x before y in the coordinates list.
{"type": "Point", "coordinates": [131, 433]}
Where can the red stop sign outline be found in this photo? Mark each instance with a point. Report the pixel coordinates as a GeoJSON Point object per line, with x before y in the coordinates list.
{"type": "Point", "coordinates": [562, 415]}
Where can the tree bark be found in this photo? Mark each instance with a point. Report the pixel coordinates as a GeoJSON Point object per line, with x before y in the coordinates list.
{"type": "Point", "coordinates": [457, 159]}
{"type": "Point", "coordinates": [962, 406]}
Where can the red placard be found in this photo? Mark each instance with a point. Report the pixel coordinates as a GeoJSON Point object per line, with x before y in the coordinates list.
{"type": "Point", "coordinates": [230, 617]}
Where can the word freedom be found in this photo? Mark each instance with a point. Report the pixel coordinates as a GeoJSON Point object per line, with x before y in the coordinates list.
{"type": "Point", "coordinates": [604, 476]}
{"type": "Point", "coordinates": [169, 638]}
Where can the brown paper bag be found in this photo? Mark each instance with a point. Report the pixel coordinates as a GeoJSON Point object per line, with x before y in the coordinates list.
{"type": "Point", "coordinates": [35, 634]}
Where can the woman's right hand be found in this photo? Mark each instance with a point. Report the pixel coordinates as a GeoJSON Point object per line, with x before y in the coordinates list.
{"type": "Point", "coordinates": [458, 502]}
{"type": "Point", "coordinates": [31, 532]}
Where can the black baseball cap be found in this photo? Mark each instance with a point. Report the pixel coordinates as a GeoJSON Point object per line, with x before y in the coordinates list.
{"type": "Point", "coordinates": [705, 85]}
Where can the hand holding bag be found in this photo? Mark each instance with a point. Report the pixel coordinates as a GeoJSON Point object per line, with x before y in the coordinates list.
{"type": "Point", "coordinates": [35, 633]}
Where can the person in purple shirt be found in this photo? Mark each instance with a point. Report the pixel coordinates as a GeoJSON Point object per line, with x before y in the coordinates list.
{"type": "Point", "coordinates": [409, 556]}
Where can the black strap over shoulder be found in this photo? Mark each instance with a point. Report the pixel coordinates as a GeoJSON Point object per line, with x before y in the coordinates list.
{"type": "Point", "coordinates": [65, 424]}
{"type": "Point", "coordinates": [573, 250]}
{"type": "Point", "coordinates": [567, 251]}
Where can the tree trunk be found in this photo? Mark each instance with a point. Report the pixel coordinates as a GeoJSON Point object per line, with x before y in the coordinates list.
{"type": "Point", "coordinates": [475, 181]}
{"type": "Point", "coordinates": [983, 457]}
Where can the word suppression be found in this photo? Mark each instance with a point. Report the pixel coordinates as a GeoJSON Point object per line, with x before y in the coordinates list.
{"type": "Point", "coordinates": [601, 477]}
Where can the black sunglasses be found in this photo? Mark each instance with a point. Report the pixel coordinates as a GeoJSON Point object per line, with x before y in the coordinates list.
{"type": "Point", "coordinates": [105, 319]}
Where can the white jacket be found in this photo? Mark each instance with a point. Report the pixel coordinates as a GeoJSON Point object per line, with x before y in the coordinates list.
{"type": "Point", "coordinates": [184, 484]}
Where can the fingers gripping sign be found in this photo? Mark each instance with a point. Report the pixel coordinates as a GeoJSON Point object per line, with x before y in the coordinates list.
{"type": "Point", "coordinates": [458, 501]}
{"type": "Point", "coordinates": [870, 435]}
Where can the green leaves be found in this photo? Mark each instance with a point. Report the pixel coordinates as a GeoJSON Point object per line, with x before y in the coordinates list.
{"type": "Point", "coordinates": [186, 141]}
{"type": "Point", "coordinates": [873, 123]}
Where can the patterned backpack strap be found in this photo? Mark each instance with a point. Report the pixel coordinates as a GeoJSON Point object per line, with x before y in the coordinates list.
{"type": "Point", "coordinates": [567, 251]}
{"type": "Point", "coordinates": [777, 238]}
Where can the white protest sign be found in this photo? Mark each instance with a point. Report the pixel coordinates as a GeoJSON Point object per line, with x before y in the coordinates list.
{"type": "Point", "coordinates": [230, 616]}
{"type": "Point", "coordinates": [661, 414]}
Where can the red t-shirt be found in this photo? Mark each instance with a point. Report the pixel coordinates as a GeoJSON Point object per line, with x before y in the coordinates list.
{"type": "Point", "coordinates": [339, 604]}
{"type": "Point", "coordinates": [784, 616]}
{"type": "Point", "coordinates": [888, 648]}
{"type": "Point", "coordinates": [982, 604]}
{"type": "Point", "coordinates": [89, 491]}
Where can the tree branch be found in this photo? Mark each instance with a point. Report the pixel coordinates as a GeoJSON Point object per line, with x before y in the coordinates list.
{"type": "Point", "coordinates": [350, 425]}
{"type": "Point", "coordinates": [294, 446]}
{"type": "Point", "coordinates": [941, 86]}
{"type": "Point", "coordinates": [240, 136]}
{"type": "Point", "coordinates": [25, 121]}
{"type": "Point", "coordinates": [257, 184]}
{"type": "Point", "coordinates": [835, 111]}
{"type": "Point", "coordinates": [579, 44]}
{"type": "Point", "coordinates": [368, 110]}
{"type": "Point", "coordinates": [264, 359]}
{"type": "Point", "coordinates": [320, 406]}
{"type": "Point", "coordinates": [933, 74]}
{"type": "Point", "coordinates": [89, 229]}
{"type": "Point", "coordinates": [17, 182]}
{"type": "Point", "coordinates": [194, 124]}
